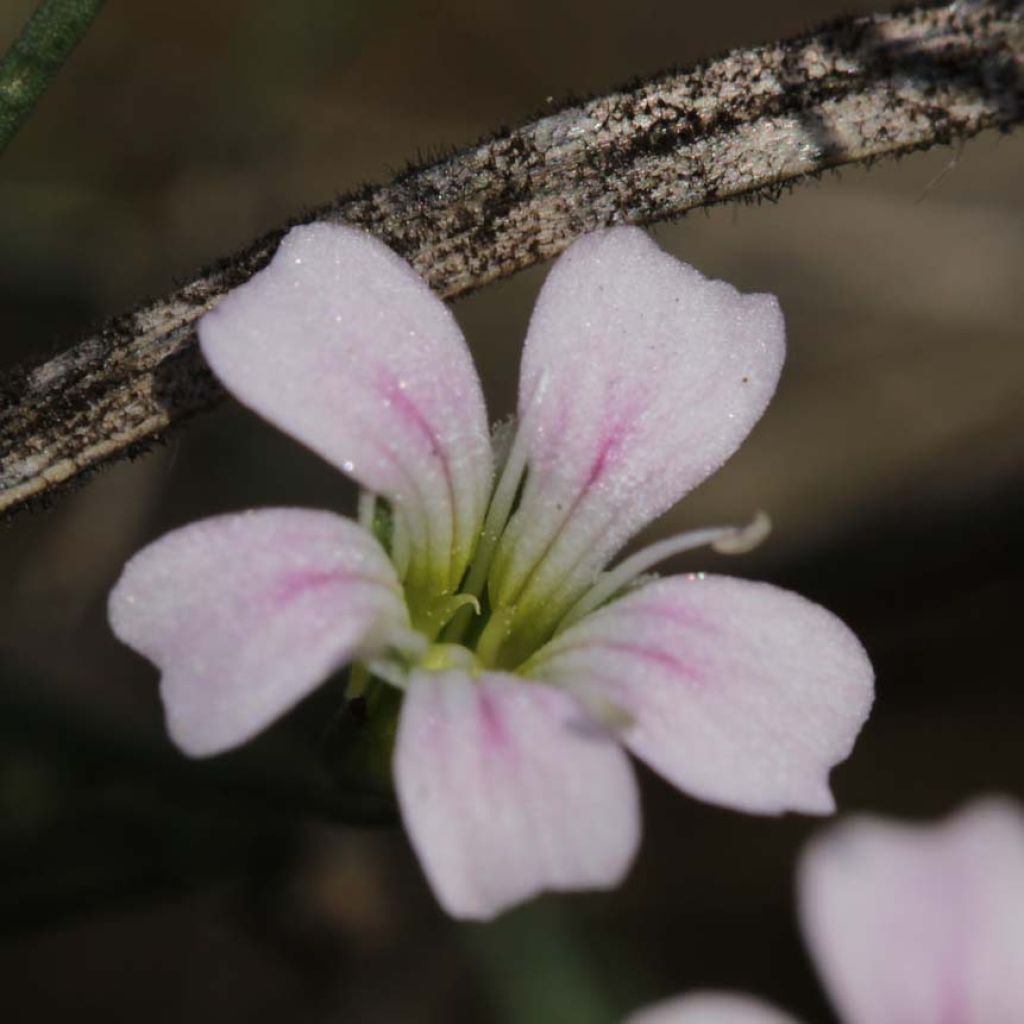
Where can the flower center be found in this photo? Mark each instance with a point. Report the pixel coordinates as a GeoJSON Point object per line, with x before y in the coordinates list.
{"type": "Point", "coordinates": [483, 627]}
{"type": "Point", "coordinates": [440, 657]}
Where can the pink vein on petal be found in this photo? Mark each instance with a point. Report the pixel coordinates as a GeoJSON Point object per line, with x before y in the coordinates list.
{"type": "Point", "coordinates": [295, 584]}
{"type": "Point", "coordinates": [645, 652]}
{"type": "Point", "coordinates": [649, 653]}
{"type": "Point", "coordinates": [609, 444]}
{"type": "Point", "coordinates": [686, 618]}
{"type": "Point", "coordinates": [490, 719]}
{"type": "Point", "coordinates": [395, 396]}
{"type": "Point", "coordinates": [407, 409]}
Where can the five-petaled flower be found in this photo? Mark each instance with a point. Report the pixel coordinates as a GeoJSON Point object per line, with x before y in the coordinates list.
{"type": "Point", "coordinates": [907, 925]}
{"type": "Point", "coordinates": [477, 581]}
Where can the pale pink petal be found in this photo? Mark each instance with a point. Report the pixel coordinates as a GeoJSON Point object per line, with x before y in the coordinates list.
{"type": "Point", "coordinates": [640, 377]}
{"type": "Point", "coordinates": [506, 791]}
{"type": "Point", "coordinates": [740, 693]}
{"type": "Point", "coordinates": [918, 924]}
{"type": "Point", "coordinates": [711, 1008]}
{"type": "Point", "coordinates": [339, 342]}
{"type": "Point", "coordinates": [246, 614]}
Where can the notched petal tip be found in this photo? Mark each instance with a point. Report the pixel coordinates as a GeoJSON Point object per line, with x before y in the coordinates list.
{"type": "Point", "coordinates": [246, 614]}
{"type": "Point", "coordinates": [742, 694]}
{"type": "Point", "coordinates": [919, 922]}
{"type": "Point", "coordinates": [341, 344]}
{"type": "Point", "coordinates": [640, 377]}
{"type": "Point", "coordinates": [818, 800]}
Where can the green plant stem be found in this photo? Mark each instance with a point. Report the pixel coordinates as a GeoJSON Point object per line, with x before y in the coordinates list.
{"type": "Point", "coordinates": [536, 969]}
{"type": "Point", "coordinates": [37, 55]}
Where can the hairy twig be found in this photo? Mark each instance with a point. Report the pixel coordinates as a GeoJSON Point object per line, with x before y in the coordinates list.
{"type": "Point", "coordinates": [742, 126]}
{"type": "Point", "coordinates": [37, 55]}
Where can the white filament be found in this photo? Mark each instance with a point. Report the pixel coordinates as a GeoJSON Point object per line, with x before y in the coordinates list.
{"type": "Point", "coordinates": [727, 540]}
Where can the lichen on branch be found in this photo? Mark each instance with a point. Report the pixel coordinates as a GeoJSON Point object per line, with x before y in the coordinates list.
{"type": "Point", "coordinates": [743, 126]}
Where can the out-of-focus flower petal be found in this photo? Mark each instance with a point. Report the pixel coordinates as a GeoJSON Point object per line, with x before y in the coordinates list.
{"type": "Point", "coordinates": [740, 693]}
{"type": "Point", "coordinates": [711, 1008]}
{"type": "Point", "coordinates": [640, 377]}
{"type": "Point", "coordinates": [918, 924]}
{"type": "Point", "coordinates": [341, 344]}
{"type": "Point", "coordinates": [246, 614]}
{"type": "Point", "coordinates": [506, 791]}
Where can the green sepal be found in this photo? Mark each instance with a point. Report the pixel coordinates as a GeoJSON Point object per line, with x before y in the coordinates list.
{"type": "Point", "coordinates": [361, 744]}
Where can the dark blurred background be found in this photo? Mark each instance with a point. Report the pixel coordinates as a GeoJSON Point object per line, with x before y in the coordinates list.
{"type": "Point", "coordinates": [135, 886]}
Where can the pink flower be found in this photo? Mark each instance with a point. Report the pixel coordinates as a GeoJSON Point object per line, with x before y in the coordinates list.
{"type": "Point", "coordinates": [907, 925]}
{"type": "Point", "coordinates": [476, 580]}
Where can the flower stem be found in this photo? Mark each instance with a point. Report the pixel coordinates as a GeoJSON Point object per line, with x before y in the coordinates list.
{"type": "Point", "coordinates": [535, 966]}
{"type": "Point", "coordinates": [37, 55]}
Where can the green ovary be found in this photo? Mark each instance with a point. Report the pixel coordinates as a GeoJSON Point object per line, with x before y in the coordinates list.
{"type": "Point", "coordinates": [457, 614]}
{"type": "Point", "coordinates": [440, 657]}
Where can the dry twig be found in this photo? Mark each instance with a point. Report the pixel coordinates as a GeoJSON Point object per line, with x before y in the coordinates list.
{"type": "Point", "coordinates": [741, 126]}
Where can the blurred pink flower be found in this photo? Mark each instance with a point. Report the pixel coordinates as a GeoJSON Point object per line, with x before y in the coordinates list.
{"type": "Point", "coordinates": [468, 587]}
{"type": "Point", "coordinates": [907, 925]}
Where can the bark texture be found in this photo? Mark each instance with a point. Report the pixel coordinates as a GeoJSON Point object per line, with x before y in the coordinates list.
{"type": "Point", "coordinates": [743, 126]}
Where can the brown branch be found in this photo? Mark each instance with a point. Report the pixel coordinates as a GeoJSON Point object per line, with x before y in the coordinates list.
{"type": "Point", "coordinates": [742, 126]}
